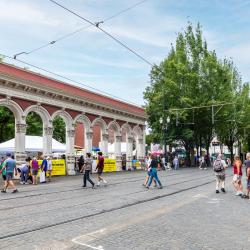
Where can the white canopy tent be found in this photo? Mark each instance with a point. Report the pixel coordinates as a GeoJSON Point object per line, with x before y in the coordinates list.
{"type": "Point", "coordinates": [32, 144]}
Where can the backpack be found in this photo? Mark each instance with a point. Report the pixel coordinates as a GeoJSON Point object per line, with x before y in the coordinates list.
{"type": "Point", "coordinates": [218, 166]}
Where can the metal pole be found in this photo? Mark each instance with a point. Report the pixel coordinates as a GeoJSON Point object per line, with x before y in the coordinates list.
{"type": "Point", "coordinates": [165, 144]}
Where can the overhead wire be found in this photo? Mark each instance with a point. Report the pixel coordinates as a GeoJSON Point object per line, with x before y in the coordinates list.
{"type": "Point", "coordinates": [70, 79]}
{"type": "Point", "coordinates": [78, 30]}
{"type": "Point", "coordinates": [105, 32]}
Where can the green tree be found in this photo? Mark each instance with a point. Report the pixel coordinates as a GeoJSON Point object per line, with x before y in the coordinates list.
{"type": "Point", "coordinates": [7, 124]}
{"type": "Point", "coordinates": [59, 129]}
{"type": "Point", "coordinates": [190, 76]}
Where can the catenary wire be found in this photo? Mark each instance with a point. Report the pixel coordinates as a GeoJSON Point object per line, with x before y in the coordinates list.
{"type": "Point", "coordinates": [105, 32]}
{"type": "Point", "coordinates": [79, 30]}
{"type": "Point", "coordinates": [70, 79]}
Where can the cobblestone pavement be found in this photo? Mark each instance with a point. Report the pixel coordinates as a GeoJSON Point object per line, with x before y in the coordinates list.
{"type": "Point", "coordinates": [185, 214]}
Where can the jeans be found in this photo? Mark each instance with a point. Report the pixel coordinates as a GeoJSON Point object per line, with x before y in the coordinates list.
{"type": "Point", "coordinates": [24, 174]}
{"type": "Point", "coordinates": [153, 174]}
{"type": "Point", "coordinates": [87, 178]}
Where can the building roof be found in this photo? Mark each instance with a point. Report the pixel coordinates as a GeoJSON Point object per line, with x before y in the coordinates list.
{"type": "Point", "coordinates": [67, 88]}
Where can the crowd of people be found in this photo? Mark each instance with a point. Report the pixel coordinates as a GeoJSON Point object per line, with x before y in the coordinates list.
{"type": "Point", "coordinates": [28, 171]}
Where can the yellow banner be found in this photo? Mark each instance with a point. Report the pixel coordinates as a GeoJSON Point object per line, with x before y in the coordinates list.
{"type": "Point", "coordinates": [109, 165]}
{"type": "Point", "coordinates": [58, 167]}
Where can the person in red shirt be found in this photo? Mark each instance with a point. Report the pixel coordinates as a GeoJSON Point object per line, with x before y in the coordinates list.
{"type": "Point", "coordinates": [237, 167]}
{"type": "Point", "coordinates": [99, 169]}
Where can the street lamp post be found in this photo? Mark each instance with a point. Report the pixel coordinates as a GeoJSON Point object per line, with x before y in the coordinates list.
{"type": "Point", "coordinates": [164, 122]}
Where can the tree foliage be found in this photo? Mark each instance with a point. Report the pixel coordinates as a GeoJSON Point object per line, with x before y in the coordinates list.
{"type": "Point", "coordinates": [192, 76]}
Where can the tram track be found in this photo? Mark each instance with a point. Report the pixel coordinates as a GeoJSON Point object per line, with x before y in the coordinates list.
{"type": "Point", "coordinates": [77, 189]}
{"type": "Point", "coordinates": [104, 211]}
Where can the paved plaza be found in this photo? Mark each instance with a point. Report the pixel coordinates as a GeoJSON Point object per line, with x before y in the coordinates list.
{"type": "Point", "coordinates": [185, 214]}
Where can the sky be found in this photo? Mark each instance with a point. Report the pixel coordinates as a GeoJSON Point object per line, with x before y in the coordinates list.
{"type": "Point", "coordinates": [93, 59]}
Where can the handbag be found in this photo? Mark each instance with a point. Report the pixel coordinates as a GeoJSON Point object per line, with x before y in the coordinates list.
{"type": "Point", "coordinates": [42, 177]}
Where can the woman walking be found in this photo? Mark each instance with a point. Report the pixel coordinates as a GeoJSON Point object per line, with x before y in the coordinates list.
{"type": "Point", "coordinates": [87, 167]}
{"type": "Point", "coordinates": [153, 173]}
{"type": "Point", "coordinates": [237, 166]}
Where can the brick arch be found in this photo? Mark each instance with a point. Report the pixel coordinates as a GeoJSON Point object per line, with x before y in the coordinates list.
{"type": "Point", "coordinates": [114, 126]}
{"type": "Point", "coordinates": [99, 121]}
{"type": "Point", "coordinates": [14, 108]}
{"type": "Point", "coordinates": [42, 112]}
{"type": "Point", "coordinates": [65, 116]}
{"type": "Point", "coordinates": [85, 120]}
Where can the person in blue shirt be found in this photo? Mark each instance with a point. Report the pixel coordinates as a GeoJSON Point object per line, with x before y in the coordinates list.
{"type": "Point", "coordinates": [9, 165]}
{"type": "Point", "coordinates": [44, 166]}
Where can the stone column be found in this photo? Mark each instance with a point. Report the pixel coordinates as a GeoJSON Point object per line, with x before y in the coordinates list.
{"type": "Point", "coordinates": [118, 154]}
{"type": "Point", "coordinates": [88, 142]}
{"type": "Point", "coordinates": [140, 154]}
{"type": "Point", "coordinates": [129, 151]}
{"type": "Point", "coordinates": [70, 158]}
{"type": "Point", "coordinates": [104, 144]}
{"type": "Point", "coordinates": [47, 141]}
{"type": "Point", "coordinates": [20, 132]}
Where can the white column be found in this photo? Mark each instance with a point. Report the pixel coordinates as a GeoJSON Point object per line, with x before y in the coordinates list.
{"type": "Point", "coordinates": [118, 154]}
{"type": "Point", "coordinates": [47, 141]}
{"type": "Point", "coordinates": [20, 132]}
{"type": "Point", "coordinates": [88, 142]}
{"type": "Point", "coordinates": [104, 144]}
{"type": "Point", "coordinates": [129, 151]}
{"type": "Point", "coordinates": [140, 154]}
{"type": "Point", "coordinates": [70, 158]}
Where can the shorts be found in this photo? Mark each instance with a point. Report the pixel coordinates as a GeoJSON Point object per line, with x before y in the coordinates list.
{"type": "Point", "coordinates": [4, 177]}
{"type": "Point", "coordinates": [9, 176]}
{"type": "Point", "coordinates": [237, 178]}
{"type": "Point", "coordinates": [34, 172]}
{"type": "Point", "coordinates": [99, 173]}
{"type": "Point", "coordinates": [220, 177]}
{"type": "Point", "coordinates": [248, 184]}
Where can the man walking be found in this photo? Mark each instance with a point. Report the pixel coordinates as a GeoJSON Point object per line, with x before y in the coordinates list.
{"type": "Point", "coordinates": [99, 168]}
{"type": "Point", "coordinates": [219, 167]}
{"type": "Point", "coordinates": [87, 168]}
{"type": "Point", "coordinates": [10, 166]}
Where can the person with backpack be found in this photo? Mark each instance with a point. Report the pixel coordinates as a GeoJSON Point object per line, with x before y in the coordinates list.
{"type": "Point", "coordinates": [219, 167]}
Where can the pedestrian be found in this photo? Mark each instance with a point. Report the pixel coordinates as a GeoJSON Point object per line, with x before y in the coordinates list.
{"type": "Point", "coordinates": [34, 169]}
{"type": "Point", "coordinates": [87, 168]}
{"type": "Point", "coordinates": [237, 168]}
{"type": "Point", "coordinates": [99, 169]}
{"type": "Point", "coordinates": [134, 162]}
{"type": "Point", "coordinates": [80, 163]}
{"type": "Point", "coordinates": [176, 162]}
{"type": "Point", "coordinates": [49, 169]}
{"type": "Point", "coordinates": [153, 173]}
{"type": "Point", "coordinates": [148, 173]}
{"type": "Point", "coordinates": [219, 167]}
{"type": "Point", "coordinates": [247, 164]}
{"type": "Point", "coordinates": [44, 168]}
{"type": "Point", "coordinates": [10, 166]}
{"type": "Point", "coordinates": [202, 162]}
{"type": "Point", "coordinates": [24, 173]}
{"type": "Point", "coordinates": [124, 162]}
{"type": "Point", "coordinates": [4, 171]}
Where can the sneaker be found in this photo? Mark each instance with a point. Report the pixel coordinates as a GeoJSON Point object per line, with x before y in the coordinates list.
{"type": "Point", "coordinates": [244, 196]}
{"type": "Point", "coordinates": [105, 182]}
{"type": "Point", "coordinates": [160, 187]}
{"type": "Point", "coordinates": [15, 191]}
{"type": "Point", "coordinates": [3, 191]}
{"type": "Point", "coordinates": [84, 186]}
{"type": "Point", "coordinates": [223, 190]}
{"type": "Point", "coordinates": [98, 184]}
{"type": "Point", "coordinates": [238, 193]}
{"type": "Point", "coordinates": [26, 183]}
{"type": "Point", "coordinates": [21, 182]}
{"type": "Point", "coordinates": [147, 187]}
{"type": "Point", "coordinates": [217, 191]}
